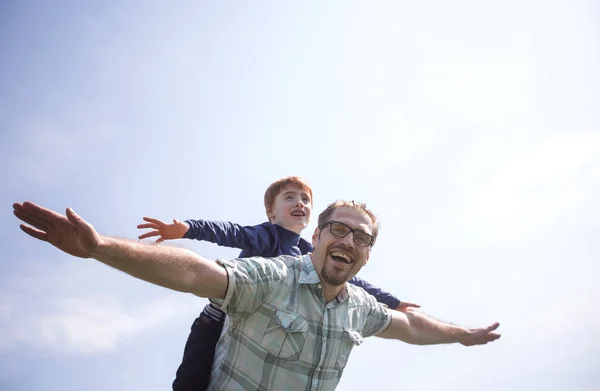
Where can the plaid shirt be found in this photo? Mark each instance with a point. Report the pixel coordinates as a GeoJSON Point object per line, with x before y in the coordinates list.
{"type": "Point", "coordinates": [280, 334]}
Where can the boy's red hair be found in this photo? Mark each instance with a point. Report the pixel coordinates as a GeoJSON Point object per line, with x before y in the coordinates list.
{"type": "Point", "coordinates": [275, 188]}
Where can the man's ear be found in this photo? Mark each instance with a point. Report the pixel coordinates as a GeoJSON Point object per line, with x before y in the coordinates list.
{"type": "Point", "coordinates": [315, 236]}
{"type": "Point", "coordinates": [367, 258]}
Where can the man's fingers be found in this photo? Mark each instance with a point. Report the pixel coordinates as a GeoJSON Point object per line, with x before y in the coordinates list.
{"type": "Point", "coordinates": [74, 218]}
{"type": "Point", "coordinates": [149, 234]}
{"type": "Point", "coordinates": [41, 213]}
{"type": "Point", "coordinates": [487, 338]}
{"type": "Point", "coordinates": [492, 327]}
{"type": "Point", "coordinates": [27, 212]}
{"type": "Point", "coordinates": [159, 240]}
{"type": "Point", "coordinates": [494, 336]}
{"type": "Point", "coordinates": [148, 225]}
{"type": "Point", "coordinates": [29, 219]}
{"type": "Point", "coordinates": [36, 233]}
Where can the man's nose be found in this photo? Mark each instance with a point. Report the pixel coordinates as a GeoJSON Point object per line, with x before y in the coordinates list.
{"type": "Point", "coordinates": [348, 240]}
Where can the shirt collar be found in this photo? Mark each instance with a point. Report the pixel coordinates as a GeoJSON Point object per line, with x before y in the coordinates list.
{"type": "Point", "coordinates": [287, 235]}
{"type": "Point", "coordinates": [308, 274]}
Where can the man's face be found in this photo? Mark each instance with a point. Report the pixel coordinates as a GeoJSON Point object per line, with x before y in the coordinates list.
{"type": "Point", "coordinates": [337, 259]}
{"type": "Point", "coordinates": [291, 209]}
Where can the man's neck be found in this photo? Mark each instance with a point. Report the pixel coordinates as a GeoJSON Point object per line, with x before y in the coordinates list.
{"type": "Point", "coordinates": [330, 292]}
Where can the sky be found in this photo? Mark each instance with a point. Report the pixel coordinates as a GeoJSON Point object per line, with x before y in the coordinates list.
{"type": "Point", "coordinates": [472, 130]}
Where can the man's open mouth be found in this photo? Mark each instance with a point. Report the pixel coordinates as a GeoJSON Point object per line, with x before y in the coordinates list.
{"type": "Point", "coordinates": [340, 257]}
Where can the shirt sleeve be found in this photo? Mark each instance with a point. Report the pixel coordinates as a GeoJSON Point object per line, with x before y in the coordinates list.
{"type": "Point", "coordinates": [378, 318]}
{"type": "Point", "coordinates": [382, 296]}
{"type": "Point", "coordinates": [250, 282]}
{"type": "Point", "coordinates": [256, 240]}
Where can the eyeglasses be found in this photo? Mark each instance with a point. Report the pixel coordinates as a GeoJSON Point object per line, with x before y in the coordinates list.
{"type": "Point", "coordinates": [341, 230]}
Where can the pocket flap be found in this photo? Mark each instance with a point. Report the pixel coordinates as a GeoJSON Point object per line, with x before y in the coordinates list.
{"type": "Point", "coordinates": [354, 336]}
{"type": "Point", "coordinates": [291, 321]}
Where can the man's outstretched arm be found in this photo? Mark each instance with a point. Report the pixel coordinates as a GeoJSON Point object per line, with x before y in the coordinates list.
{"type": "Point", "coordinates": [418, 329]}
{"type": "Point", "coordinates": [174, 268]}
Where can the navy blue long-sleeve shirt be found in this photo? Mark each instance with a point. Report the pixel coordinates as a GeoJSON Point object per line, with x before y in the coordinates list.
{"type": "Point", "coordinates": [268, 240]}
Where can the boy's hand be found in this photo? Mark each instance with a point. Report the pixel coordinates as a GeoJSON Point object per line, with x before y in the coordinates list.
{"type": "Point", "coordinates": [163, 230]}
{"type": "Point", "coordinates": [406, 306]}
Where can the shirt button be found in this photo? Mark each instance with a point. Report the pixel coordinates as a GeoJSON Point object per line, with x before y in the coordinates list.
{"type": "Point", "coordinates": [324, 339]}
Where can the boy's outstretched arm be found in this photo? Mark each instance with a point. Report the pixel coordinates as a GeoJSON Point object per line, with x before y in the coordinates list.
{"type": "Point", "coordinates": [259, 239]}
{"type": "Point", "coordinates": [164, 231]}
{"type": "Point", "coordinates": [174, 268]}
{"type": "Point", "coordinates": [382, 296]}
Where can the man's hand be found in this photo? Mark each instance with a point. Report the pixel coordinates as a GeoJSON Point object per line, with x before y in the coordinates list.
{"type": "Point", "coordinates": [163, 230]}
{"type": "Point", "coordinates": [69, 233]}
{"type": "Point", "coordinates": [481, 336]}
{"type": "Point", "coordinates": [405, 306]}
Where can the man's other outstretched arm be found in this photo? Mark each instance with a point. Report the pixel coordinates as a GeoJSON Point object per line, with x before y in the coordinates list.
{"type": "Point", "coordinates": [419, 329]}
{"type": "Point", "coordinates": [174, 268]}
{"type": "Point", "coordinates": [171, 267]}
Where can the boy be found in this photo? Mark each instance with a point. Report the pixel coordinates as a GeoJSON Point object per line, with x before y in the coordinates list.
{"type": "Point", "coordinates": [288, 203]}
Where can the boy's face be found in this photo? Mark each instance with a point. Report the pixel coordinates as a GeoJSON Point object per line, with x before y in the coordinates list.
{"type": "Point", "coordinates": [291, 209]}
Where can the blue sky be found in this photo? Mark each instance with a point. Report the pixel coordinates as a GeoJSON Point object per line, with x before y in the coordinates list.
{"type": "Point", "coordinates": [471, 129]}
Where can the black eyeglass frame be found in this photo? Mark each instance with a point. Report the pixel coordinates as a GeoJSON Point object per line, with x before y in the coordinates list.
{"type": "Point", "coordinates": [350, 230]}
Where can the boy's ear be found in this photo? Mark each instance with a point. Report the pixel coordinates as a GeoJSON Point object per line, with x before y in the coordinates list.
{"type": "Point", "coordinates": [270, 213]}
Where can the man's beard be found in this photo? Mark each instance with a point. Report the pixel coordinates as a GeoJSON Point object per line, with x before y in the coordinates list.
{"type": "Point", "coordinates": [333, 279]}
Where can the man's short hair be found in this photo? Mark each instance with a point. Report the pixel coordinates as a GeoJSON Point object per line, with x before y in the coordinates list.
{"type": "Point", "coordinates": [325, 216]}
{"type": "Point", "coordinates": [275, 188]}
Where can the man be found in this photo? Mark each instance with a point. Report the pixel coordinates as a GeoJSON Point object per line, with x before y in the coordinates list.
{"type": "Point", "coordinates": [291, 322]}
{"type": "Point", "coordinates": [288, 205]}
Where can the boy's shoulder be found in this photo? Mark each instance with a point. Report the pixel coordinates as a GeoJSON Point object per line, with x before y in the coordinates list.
{"type": "Point", "coordinates": [305, 246]}
{"type": "Point", "coordinates": [266, 225]}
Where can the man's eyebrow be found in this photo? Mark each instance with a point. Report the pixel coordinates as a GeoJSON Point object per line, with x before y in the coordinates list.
{"type": "Point", "coordinates": [361, 229]}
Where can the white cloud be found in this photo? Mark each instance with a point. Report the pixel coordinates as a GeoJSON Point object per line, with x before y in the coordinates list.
{"type": "Point", "coordinates": [541, 183]}
{"type": "Point", "coordinates": [52, 148]}
{"type": "Point", "coordinates": [61, 310]}
{"type": "Point", "coordinates": [82, 325]}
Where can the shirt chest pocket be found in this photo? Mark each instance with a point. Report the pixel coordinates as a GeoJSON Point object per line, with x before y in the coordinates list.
{"type": "Point", "coordinates": [285, 336]}
{"type": "Point", "coordinates": [350, 339]}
